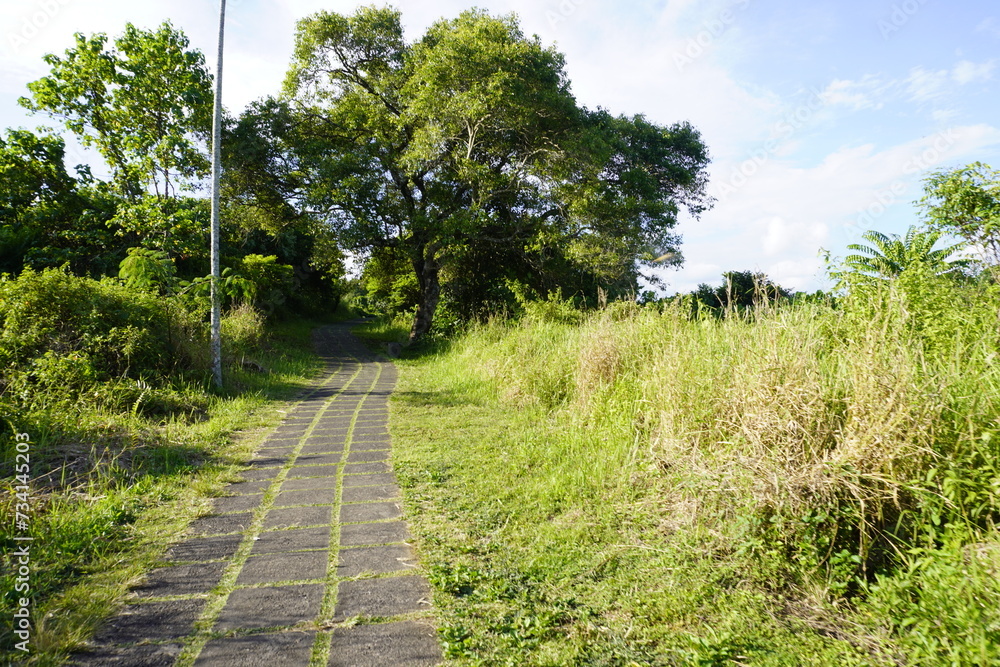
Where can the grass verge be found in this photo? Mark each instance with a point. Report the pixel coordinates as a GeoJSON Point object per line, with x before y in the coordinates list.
{"type": "Point", "coordinates": [647, 489]}
{"type": "Point", "coordinates": [105, 502]}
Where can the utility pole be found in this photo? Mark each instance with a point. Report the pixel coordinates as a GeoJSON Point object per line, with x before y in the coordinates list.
{"type": "Point", "coordinates": [216, 177]}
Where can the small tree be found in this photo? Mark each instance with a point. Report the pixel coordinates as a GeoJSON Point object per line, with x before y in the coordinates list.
{"type": "Point", "coordinates": [889, 256]}
{"type": "Point", "coordinates": [145, 104]}
{"type": "Point", "coordinates": [965, 202]}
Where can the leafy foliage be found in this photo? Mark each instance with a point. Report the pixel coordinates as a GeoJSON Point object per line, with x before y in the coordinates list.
{"type": "Point", "coordinates": [965, 202]}
{"type": "Point", "coordinates": [149, 270]}
{"type": "Point", "coordinates": [889, 256]}
{"type": "Point", "coordinates": [389, 283]}
{"type": "Point", "coordinates": [144, 104]}
{"type": "Point", "coordinates": [269, 283]}
{"type": "Point", "coordinates": [47, 216]}
{"type": "Point", "coordinates": [33, 176]}
{"type": "Point", "coordinates": [468, 143]}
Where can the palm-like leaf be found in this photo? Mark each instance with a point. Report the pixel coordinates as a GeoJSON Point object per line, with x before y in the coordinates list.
{"type": "Point", "coordinates": [889, 256]}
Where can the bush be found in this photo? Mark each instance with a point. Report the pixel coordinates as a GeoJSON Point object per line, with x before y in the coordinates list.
{"type": "Point", "coordinates": [271, 283]}
{"type": "Point", "coordinates": [65, 339]}
{"type": "Point", "coordinates": [242, 332]}
{"type": "Point", "coordinates": [118, 331]}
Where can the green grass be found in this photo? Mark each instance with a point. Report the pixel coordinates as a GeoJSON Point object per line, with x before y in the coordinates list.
{"type": "Point", "coordinates": [808, 486]}
{"type": "Point", "coordinates": [123, 485]}
{"type": "Point", "coordinates": [384, 329]}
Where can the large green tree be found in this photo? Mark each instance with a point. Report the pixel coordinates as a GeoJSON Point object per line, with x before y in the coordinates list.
{"type": "Point", "coordinates": [145, 103]}
{"type": "Point", "coordinates": [469, 138]}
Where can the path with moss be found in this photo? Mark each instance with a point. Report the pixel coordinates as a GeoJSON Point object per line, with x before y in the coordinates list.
{"type": "Point", "coordinates": [305, 561]}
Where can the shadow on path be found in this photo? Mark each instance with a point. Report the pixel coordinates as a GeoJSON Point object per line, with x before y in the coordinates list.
{"type": "Point", "coordinates": [305, 560]}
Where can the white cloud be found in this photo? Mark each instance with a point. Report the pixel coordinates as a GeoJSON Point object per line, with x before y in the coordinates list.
{"type": "Point", "coordinates": [944, 115]}
{"type": "Point", "coordinates": [782, 235]}
{"type": "Point", "coordinates": [969, 72]}
{"type": "Point", "coordinates": [990, 26]}
{"type": "Point", "coordinates": [628, 64]}
{"type": "Point", "coordinates": [704, 271]}
{"type": "Point", "coordinates": [926, 85]}
{"type": "Point", "coordinates": [920, 85]}
{"type": "Point", "coordinates": [796, 274]}
{"type": "Point", "coordinates": [857, 95]}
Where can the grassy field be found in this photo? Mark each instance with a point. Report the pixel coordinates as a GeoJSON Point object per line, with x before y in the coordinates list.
{"type": "Point", "coordinates": [807, 485]}
{"type": "Point", "coordinates": [811, 484]}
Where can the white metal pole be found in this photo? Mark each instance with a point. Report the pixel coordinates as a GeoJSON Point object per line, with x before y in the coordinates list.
{"type": "Point", "coordinates": [216, 176]}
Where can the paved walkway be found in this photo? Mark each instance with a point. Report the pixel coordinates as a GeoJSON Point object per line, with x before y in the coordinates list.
{"type": "Point", "coordinates": [305, 561]}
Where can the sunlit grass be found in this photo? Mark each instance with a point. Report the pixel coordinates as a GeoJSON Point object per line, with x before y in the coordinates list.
{"type": "Point", "coordinates": [125, 484]}
{"type": "Point", "coordinates": [643, 488]}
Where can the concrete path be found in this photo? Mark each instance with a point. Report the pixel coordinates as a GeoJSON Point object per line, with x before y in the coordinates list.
{"type": "Point", "coordinates": [305, 561]}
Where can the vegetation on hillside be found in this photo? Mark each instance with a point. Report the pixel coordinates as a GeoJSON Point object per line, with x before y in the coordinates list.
{"type": "Point", "coordinates": [109, 386]}
{"type": "Point", "coordinates": [736, 475]}
{"type": "Point", "coordinates": [801, 484]}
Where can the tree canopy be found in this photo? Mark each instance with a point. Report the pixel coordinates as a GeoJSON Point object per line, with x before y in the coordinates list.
{"type": "Point", "coordinates": [965, 202]}
{"type": "Point", "coordinates": [470, 139]}
{"type": "Point", "coordinates": [145, 104]}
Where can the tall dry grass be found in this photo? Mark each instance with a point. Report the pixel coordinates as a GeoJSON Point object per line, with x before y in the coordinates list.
{"type": "Point", "coordinates": [818, 426]}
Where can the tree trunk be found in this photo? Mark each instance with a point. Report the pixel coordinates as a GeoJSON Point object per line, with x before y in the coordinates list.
{"type": "Point", "coordinates": [427, 268]}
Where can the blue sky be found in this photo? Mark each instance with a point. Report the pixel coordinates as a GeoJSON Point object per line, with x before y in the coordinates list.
{"type": "Point", "coordinates": [822, 117]}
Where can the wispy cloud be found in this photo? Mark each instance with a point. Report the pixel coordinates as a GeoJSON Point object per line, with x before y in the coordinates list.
{"type": "Point", "coordinates": [857, 95]}
{"type": "Point", "coordinates": [990, 26]}
{"type": "Point", "coordinates": [944, 115]}
{"type": "Point", "coordinates": [782, 235]}
{"type": "Point", "coordinates": [926, 85]}
{"type": "Point", "coordinates": [970, 72]}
